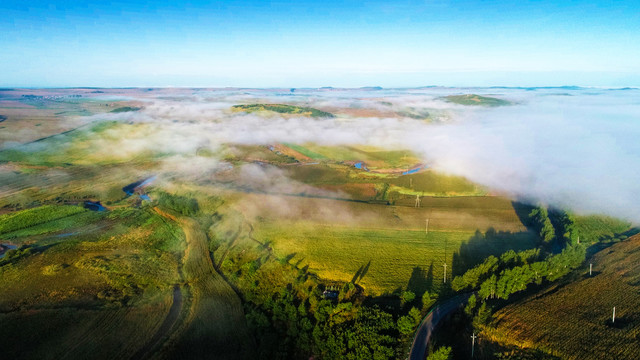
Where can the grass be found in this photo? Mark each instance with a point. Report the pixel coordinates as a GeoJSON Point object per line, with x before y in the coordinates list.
{"type": "Point", "coordinates": [61, 225]}
{"type": "Point", "coordinates": [431, 183]}
{"type": "Point", "coordinates": [373, 157]}
{"type": "Point", "coordinates": [395, 259]}
{"type": "Point", "coordinates": [347, 179]}
{"type": "Point", "coordinates": [573, 320]}
{"type": "Point", "coordinates": [306, 152]}
{"type": "Point", "coordinates": [595, 228]}
{"type": "Point", "coordinates": [475, 100]}
{"type": "Point", "coordinates": [31, 217]}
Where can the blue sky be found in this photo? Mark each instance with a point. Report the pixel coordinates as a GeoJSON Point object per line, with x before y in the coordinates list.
{"type": "Point", "coordinates": [319, 43]}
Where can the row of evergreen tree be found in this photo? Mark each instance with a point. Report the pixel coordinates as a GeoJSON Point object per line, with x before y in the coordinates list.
{"type": "Point", "coordinates": [513, 272]}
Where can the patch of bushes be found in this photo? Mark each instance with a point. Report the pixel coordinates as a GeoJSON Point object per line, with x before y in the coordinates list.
{"type": "Point", "coordinates": [181, 204]}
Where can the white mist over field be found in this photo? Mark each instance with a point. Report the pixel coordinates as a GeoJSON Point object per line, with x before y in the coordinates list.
{"type": "Point", "coordinates": [566, 147]}
{"type": "Point", "coordinates": [577, 151]}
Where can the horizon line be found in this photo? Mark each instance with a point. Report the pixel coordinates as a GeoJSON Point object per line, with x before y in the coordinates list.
{"type": "Point", "coordinates": [328, 87]}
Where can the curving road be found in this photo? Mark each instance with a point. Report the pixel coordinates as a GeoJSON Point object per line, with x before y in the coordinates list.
{"type": "Point", "coordinates": [430, 322]}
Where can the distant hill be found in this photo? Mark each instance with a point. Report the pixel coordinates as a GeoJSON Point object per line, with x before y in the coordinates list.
{"type": "Point", "coordinates": [573, 321]}
{"type": "Point", "coordinates": [125, 109]}
{"type": "Point", "coordinates": [473, 99]}
{"type": "Point", "coordinates": [283, 109]}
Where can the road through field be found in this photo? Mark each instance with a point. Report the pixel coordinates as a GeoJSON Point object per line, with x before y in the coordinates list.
{"type": "Point", "coordinates": [430, 322]}
{"type": "Point", "coordinates": [164, 330]}
{"type": "Point", "coordinates": [215, 325]}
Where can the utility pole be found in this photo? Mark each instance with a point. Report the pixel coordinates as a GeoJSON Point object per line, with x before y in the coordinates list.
{"type": "Point", "coordinates": [426, 226]}
{"type": "Point", "coordinates": [473, 343]}
{"type": "Point", "coordinates": [590, 268]}
{"type": "Point", "coordinates": [444, 278]}
{"type": "Point", "coordinates": [445, 260]}
{"type": "Point", "coordinates": [613, 319]}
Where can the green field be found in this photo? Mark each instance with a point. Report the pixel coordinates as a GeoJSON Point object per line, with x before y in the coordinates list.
{"type": "Point", "coordinates": [431, 183]}
{"type": "Point", "coordinates": [394, 259]}
{"type": "Point", "coordinates": [594, 228]}
{"type": "Point", "coordinates": [306, 151]}
{"type": "Point", "coordinates": [374, 158]}
{"type": "Point", "coordinates": [335, 238]}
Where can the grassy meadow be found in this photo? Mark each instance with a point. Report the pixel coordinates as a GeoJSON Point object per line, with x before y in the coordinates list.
{"type": "Point", "coordinates": [99, 280]}
{"type": "Point", "coordinates": [394, 260]}
{"type": "Point", "coordinates": [336, 238]}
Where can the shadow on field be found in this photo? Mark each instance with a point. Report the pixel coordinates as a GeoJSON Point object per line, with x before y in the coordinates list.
{"type": "Point", "coordinates": [523, 211]}
{"type": "Point", "coordinates": [362, 271]}
{"type": "Point", "coordinates": [620, 323]}
{"type": "Point", "coordinates": [492, 242]}
{"type": "Point", "coordinates": [420, 280]}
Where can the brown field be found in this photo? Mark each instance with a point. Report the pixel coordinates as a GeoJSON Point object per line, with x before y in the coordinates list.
{"type": "Point", "coordinates": [573, 320]}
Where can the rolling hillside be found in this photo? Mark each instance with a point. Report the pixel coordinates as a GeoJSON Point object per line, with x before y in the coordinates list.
{"type": "Point", "coordinates": [573, 321]}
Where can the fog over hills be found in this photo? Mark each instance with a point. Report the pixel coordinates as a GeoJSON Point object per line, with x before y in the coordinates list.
{"type": "Point", "coordinates": [568, 147]}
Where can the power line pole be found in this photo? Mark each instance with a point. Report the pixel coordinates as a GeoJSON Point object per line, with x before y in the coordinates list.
{"type": "Point", "coordinates": [445, 260]}
{"type": "Point", "coordinates": [426, 226]}
{"type": "Point", "coordinates": [473, 343]}
{"type": "Point", "coordinates": [444, 278]}
{"type": "Point", "coordinates": [590, 268]}
{"type": "Point", "coordinates": [613, 319]}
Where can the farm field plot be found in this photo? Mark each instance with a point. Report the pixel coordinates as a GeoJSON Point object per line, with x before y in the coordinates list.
{"type": "Point", "coordinates": [573, 321]}
{"type": "Point", "coordinates": [375, 157]}
{"type": "Point", "coordinates": [338, 253]}
{"type": "Point", "coordinates": [392, 258]}
{"type": "Point", "coordinates": [444, 214]}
